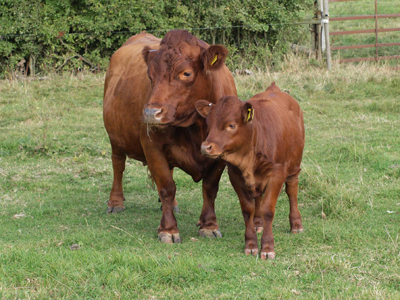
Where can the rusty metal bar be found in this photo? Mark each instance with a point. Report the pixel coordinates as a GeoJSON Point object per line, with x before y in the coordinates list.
{"type": "Point", "coordinates": [365, 46]}
{"type": "Point", "coordinates": [364, 17]}
{"type": "Point", "coordinates": [363, 31]}
{"type": "Point", "coordinates": [341, 0]}
{"type": "Point", "coordinates": [367, 58]}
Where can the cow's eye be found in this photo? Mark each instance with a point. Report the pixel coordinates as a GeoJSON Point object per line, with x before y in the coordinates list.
{"type": "Point", "coordinates": [231, 126]}
{"type": "Point", "coordinates": [187, 74]}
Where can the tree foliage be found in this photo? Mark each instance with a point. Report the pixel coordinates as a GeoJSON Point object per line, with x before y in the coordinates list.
{"type": "Point", "coordinates": [62, 34]}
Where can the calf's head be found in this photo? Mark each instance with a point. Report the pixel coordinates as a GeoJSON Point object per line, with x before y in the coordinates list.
{"type": "Point", "coordinates": [178, 72]}
{"type": "Point", "coordinates": [230, 128]}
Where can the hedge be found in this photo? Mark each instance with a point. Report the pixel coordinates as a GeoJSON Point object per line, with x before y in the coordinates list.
{"type": "Point", "coordinates": [72, 35]}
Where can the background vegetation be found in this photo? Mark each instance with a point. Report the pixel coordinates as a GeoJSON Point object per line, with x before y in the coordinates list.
{"type": "Point", "coordinates": [66, 34]}
{"type": "Point", "coordinates": [55, 177]}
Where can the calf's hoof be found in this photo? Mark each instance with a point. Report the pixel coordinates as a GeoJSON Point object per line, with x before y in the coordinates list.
{"type": "Point", "coordinates": [269, 255]}
{"type": "Point", "coordinates": [253, 252]}
{"type": "Point", "coordinates": [115, 209]}
{"type": "Point", "coordinates": [297, 230]}
{"type": "Point", "coordinates": [168, 238]}
{"type": "Point", "coordinates": [210, 233]}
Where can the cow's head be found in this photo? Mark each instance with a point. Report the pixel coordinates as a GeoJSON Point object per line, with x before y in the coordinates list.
{"type": "Point", "coordinates": [178, 72]}
{"type": "Point", "coordinates": [230, 127]}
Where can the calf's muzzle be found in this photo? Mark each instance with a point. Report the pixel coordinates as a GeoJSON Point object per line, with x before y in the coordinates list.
{"type": "Point", "coordinates": [206, 148]}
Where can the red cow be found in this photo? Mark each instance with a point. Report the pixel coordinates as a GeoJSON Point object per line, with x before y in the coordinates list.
{"type": "Point", "coordinates": [150, 92]}
{"type": "Point", "coordinates": [262, 141]}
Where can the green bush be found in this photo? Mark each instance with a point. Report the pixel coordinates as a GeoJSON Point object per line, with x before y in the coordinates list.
{"type": "Point", "coordinates": [67, 34]}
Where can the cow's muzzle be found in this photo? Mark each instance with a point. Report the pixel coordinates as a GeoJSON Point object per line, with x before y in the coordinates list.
{"type": "Point", "coordinates": [153, 115]}
{"type": "Point", "coordinates": [157, 114]}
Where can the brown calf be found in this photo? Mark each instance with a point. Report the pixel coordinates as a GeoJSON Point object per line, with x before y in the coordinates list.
{"type": "Point", "coordinates": [262, 141]}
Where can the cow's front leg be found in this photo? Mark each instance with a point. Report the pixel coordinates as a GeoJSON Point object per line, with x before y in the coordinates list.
{"type": "Point", "coordinates": [208, 220]}
{"type": "Point", "coordinates": [160, 172]}
{"type": "Point", "coordinates": [116, 201]}
{"type": "Point", "coordinates": [175, 204]}
{"type": "Point", "coordinates": [267, 211]}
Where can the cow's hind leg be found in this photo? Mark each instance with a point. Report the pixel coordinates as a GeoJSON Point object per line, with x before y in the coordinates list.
{"type": "Point", "coordinates": [116, 202]}
{"type": "Point", "coordinates": [258, 221]}
{"type": "Point", "coordinates": [292, 184]}
{"type": "Point", "coordinates": [208, 220]}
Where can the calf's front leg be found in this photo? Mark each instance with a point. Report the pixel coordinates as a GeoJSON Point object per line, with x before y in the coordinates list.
{"type": "Point", "coordinates": [267, 211]}
{"type": "Point", "coordinates": [248, 206]}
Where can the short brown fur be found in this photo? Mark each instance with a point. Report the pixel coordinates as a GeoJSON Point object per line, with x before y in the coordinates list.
{"type": "Point", "coordinates": [149, 113]}
{"type": "Point", "coordinates": [262, 153]}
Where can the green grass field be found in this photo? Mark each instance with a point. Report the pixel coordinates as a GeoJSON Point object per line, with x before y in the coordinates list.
{"type": "Point", "coordinates": [55, 179]}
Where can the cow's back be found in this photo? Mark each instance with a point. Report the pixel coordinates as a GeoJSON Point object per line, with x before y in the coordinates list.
{"type": "Point", "coordinates": [126, 90]}
{"type": "Point", "coordinates": [280, 128]}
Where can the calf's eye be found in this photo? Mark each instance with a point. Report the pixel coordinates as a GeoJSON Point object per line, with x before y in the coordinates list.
{"type": "Point", "coordinates": [187, 74]}
{"type": "Point", "coordinates": [231, 126]}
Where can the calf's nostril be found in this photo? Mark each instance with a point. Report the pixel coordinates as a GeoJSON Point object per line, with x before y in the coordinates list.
{"type": "Point", "coordinates": [206, 149]}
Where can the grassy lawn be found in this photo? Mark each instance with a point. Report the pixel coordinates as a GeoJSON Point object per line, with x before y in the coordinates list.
{"type": "Point", "coordinates": [55, 179]}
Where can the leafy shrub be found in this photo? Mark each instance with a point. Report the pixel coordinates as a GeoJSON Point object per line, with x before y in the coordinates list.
{"type": "Point", "coordinates": [68, 34]}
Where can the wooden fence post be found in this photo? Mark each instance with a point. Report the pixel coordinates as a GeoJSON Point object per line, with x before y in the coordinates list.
{"type": "Point", "coordinates": [319, 31]}
{"type": "Point", "coordinates": [32, 62]}
{"type": "Point", "coordinates": [326, 30]}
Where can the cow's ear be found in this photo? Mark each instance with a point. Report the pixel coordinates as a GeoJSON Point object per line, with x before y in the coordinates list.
{"type": "Point", "coordinates": [214, 57]}
{"type": "Point", "coordinates": [248, 112]}
{"type": "Point", "coordinates": [203, 107]}
{"type": "Point", "coordinates": [148, 54]}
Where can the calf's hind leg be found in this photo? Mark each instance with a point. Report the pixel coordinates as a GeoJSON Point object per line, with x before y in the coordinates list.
{"type": "Point", "coordinates": [292, 184]}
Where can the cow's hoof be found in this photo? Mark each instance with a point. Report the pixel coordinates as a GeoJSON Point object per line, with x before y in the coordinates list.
{"type": "Point", "coordinates": [115, 209]}
{"type": "Point", "coordinates": [165, 237]}
{"type": "Point", "coordinates": [300, 230]}
{"type": "Point", "coordinates": [210, 233]}
{"type": "Point", "coordinates": [269, 255]}
{"type": "Point", "coordinates": [253, 252]}
{"type": "Point", "coordinates": [259, 229]}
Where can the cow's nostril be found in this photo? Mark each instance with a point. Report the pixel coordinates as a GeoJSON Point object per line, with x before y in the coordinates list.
{"type": "Point", "coordinates": [158, 113]}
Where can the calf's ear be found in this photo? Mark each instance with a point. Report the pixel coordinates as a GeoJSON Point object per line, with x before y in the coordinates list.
{"type": "Point", "coordinates": [203, 107]}
{"type": "Point", "coordinates": [214, 57]}
{"type": "Point", "coordinates": [247, 112]}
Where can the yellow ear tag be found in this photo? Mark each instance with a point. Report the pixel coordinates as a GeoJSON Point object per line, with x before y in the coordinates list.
{"type": "Point", "coordinates": [214, 59]}
{"type": "Point", "coordinates": [250, 114]}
